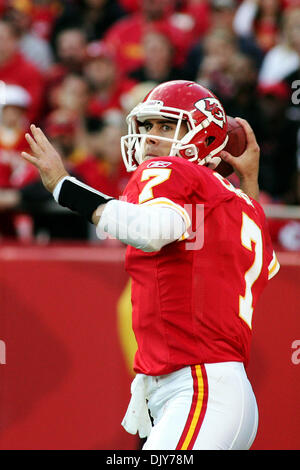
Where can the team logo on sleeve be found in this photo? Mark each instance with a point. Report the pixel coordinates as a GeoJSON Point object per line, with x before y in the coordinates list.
{"type": "Point", "coordinates": [212, 108]}
{"type": "Point", "coordinates": [159, 164]}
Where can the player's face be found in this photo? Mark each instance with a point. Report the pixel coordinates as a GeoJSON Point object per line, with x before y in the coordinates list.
{"type": "Point", "coordinates": [155, 147]}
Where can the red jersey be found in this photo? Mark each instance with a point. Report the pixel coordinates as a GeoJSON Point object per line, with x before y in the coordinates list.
{"type": "Point", "coordinates": [96, 173]}
{"type": "Point", "coordinates": [125, 37]}
{"type": "Point", "coordinates": [98, 105]}
{"type": "Point", "coordinates": [193, 300]}
{"type": "Point", "coordinates": [15, 172]}
{"type": "Point", "coordinates": [19, 71]}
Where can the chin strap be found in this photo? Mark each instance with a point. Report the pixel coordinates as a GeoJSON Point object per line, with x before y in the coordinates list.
{"type": "Point", "coordinates": [210, 162]}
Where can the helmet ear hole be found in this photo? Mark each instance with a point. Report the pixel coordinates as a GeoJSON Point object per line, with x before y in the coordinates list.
{"type": "Point", "coordinates": [209, 140]}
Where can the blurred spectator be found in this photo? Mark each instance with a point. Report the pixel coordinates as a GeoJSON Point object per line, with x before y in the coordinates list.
{"type": "Point", "coordinates": [292, 80]}
{"type": "Point", "coordinates": [158, 64]}
{"type": "Point", "coordinates": [33, 47]}
{"type": "Point", "coordinates": [101, 146]}
{"type": "Point", "coordinates": [222, 16]}
{"type": "Point", "coordinates": [260, 19]}
{"type": "Point", "coordinates": [125, 36]}
{"type": "Point", "coordinates": [44, 14]}
{"type": "Point", "coordinates": [277, 137]}
{"type": "Point", "coordinates": [73, 95]}
{"type": "Point", "coordinates": [293, 113]}
{"type": "Point", "coordinates": [70, 103]}
{"type": "Point", "coordinates": [62, 127]}
{"type": "Point", "coordinates": [243, 101]}
{"type": "Point", "coordinates": [284, 58]}
{"type": "Point", "coordinates": [129, 5]}
{"type": "Point", "coordinates": [15, 69]}
{"type": "Point", "coordinates": [93, 17]}
{"type": "Point", "coordinates": [219, 48]}
{"type": "Point", "coordinates": [135, 95]}
{"type": "Point", "coordinates": [192, 16]}
{"type": "Point", "coordinates": [92, 139]}
{"type": "Point", "coordinates": [104, 169]}
{"type": "Point", "coordinates": [70, 50]}
{"type": "Point", "coordinates": [15, 172]}
{"type": "Point", "coordinates": [231, 75]}
{"type": "Point", "coordinates": [107, 85]}
{"type": "Point", "coordinates": [71, 54]}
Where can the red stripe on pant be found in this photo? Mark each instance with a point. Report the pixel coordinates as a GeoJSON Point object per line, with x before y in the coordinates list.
{"type": "Point", "coordinates": [198, 409]}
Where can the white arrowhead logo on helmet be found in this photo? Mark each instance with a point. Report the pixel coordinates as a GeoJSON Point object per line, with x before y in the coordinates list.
{"type": "Point", "coordinates": [213, 110]}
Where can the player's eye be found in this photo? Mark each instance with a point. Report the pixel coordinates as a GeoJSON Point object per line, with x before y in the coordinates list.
{"type": "Point", "coordinates": [166, 128]}
{"type": "Point", "coordinates": [147, 126]}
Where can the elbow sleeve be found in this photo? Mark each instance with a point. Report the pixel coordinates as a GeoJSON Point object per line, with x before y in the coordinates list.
{"type": "Point", "coordinates": [147, 228]}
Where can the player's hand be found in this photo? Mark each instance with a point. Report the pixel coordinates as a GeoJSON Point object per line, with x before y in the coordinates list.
{"type": "Point", "coordinates": [45, 158]}
{"type": "Point", "coordinates": [246, 166]}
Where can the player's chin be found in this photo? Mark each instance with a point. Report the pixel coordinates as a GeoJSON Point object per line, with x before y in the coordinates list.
{"type": "Point", "coordinates": [148, 157]}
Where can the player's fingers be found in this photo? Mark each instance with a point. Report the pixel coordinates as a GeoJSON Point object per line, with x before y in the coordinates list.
{"type": "Point", "coordinates": [30, 158]}
{"type": "Point", "coordinates": [40, 137]}
{"type": "Point", "coordinates": [251, 139]}
{"type": "Point", "coordinates": [226, 156]}
{"type": "Point", "coordinates": [33, 144]}
{"type": "Point", "coordinates": [37, 134]}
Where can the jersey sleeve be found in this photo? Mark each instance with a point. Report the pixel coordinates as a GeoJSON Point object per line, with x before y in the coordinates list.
{"type": "Point", "coordinates": [274, 266]}
{"type": "Point", "coordinates": [273, 263]}
{"type": "Point", "coordinates": [271, 258]}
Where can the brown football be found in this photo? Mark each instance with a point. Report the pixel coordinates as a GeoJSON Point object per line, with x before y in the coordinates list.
{"type": "Point", "coordinates": [236, 145]}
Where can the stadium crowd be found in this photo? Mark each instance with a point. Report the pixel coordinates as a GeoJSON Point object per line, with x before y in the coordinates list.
{"type": "Point", "coordinates": [76, 67]}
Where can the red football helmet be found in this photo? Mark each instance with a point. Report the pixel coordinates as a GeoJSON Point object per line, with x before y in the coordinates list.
{"type": "Point", "coordinates": [184, 101]}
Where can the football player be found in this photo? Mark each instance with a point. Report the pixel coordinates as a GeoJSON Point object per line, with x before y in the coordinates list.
{"type": "Point", "coordinates": [199, 254]}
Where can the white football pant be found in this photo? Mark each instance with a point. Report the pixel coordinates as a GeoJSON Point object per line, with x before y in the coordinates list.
{"type": "Point", "coordinates": [209, 406]}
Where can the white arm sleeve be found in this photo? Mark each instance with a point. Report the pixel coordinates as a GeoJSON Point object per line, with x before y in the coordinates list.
{"type": "Point", "coordinates": [244, 18]}
{"type": "Point", "coordinates": [146, 227]}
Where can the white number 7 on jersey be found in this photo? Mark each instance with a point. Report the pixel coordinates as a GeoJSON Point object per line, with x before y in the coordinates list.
{"type": "Point", "coordinates": [250, 233]}
{"type": "Point", "coordinates": [158, 176]}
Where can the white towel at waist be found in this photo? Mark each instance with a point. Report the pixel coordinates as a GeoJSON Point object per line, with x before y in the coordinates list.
{"type": "Point", "coordinates": [137, 417]}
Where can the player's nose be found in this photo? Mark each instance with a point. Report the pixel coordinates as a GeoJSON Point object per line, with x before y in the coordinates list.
{"type": "Point", "coordinates": [151, 137]}
{"type": "Point", "coordinates": [151, 140]}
